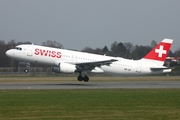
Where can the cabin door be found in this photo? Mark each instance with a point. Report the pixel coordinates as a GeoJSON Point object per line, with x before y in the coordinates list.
{"type": "Point", "coordinates": [30, 51]}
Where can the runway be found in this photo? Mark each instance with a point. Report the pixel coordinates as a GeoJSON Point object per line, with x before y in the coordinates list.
{"type": "Point", "coordinates": [93, 85]}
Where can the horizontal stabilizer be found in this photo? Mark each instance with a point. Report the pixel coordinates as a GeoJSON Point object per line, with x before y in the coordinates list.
{"type": "Point", "coordinates": [161, 69]}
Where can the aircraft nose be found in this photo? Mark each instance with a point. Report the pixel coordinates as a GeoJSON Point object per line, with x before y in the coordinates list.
{"type": "Point", "coordinates": [9, 53]}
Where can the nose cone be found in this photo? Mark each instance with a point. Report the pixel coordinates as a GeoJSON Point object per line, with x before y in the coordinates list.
{"type": "Point", "coordinates": [9, 53]}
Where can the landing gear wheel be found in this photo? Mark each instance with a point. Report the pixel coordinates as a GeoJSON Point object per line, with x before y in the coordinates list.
{"type": "Point", "coordinates": [80, 78]}
{"type": "Point", "coordinates": [26, 70]}
{"type": "Point", "coordinates": [86, 78]}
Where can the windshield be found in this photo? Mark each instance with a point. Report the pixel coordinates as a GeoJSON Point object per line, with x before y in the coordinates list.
{"type": "Point", "coordinates": [18, 48]}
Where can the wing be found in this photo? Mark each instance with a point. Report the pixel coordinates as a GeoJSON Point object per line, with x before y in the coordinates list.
{"type": "Point", "coordinates": [91, 65]}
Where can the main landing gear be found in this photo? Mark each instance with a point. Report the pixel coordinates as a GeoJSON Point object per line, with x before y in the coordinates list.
{"type": "Point", "coordinates": [81, 78]}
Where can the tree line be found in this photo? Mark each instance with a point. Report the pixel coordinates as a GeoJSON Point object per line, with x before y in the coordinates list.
{"type": "Point", "coordinates": [117, 49]}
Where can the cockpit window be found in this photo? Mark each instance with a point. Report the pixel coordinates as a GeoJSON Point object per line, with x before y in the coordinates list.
{"type": "Point", "coordinates": [18, 48]}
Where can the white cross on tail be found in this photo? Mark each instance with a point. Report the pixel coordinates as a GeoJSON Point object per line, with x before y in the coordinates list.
{"type": "Point", "coordinates": [160, 51]}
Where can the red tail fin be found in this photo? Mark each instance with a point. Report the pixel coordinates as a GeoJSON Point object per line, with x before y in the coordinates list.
{"type": "Point", "coordinates": [160, 52]}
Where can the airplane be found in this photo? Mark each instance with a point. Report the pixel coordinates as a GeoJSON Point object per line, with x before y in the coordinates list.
{"type": "Point", "coordinates": [68, 61]}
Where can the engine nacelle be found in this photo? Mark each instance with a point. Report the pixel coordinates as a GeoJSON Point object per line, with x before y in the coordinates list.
{"type": "Point", "coordinates": [64, 68]}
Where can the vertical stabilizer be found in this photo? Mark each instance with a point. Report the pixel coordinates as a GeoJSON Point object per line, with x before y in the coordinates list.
{"type": "Point", "coordinates": [159, 53]}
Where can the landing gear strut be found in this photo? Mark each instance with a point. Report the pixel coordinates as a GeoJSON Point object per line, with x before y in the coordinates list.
{"type": "Point", "coordinates": [24, 64]}
{"type": "Point", "coordinates": [81, 78]}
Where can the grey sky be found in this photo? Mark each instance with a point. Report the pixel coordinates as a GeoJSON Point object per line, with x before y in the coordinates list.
{"type": "Point", "coordinates": [93, 23]}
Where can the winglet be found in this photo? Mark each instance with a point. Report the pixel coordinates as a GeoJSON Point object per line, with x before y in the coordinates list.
{"type": "Point", "coordinates": [160, 52]}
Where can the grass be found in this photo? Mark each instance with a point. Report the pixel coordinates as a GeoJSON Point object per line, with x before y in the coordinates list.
{"type": "Point", "coordinates": [125, 104]}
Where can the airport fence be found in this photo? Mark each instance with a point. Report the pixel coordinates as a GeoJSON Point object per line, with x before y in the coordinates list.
{"type": "Point", "coordinates": [37, 71]}
{"type": "Point", "coordinates": [21, 70]}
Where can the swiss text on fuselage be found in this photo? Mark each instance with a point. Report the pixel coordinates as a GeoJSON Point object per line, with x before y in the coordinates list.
{"type": "Point", "coordinates": [48, 53]}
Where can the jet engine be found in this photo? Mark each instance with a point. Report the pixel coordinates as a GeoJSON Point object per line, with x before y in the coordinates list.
{"type": "Point", "coordinates": [64, 68]}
